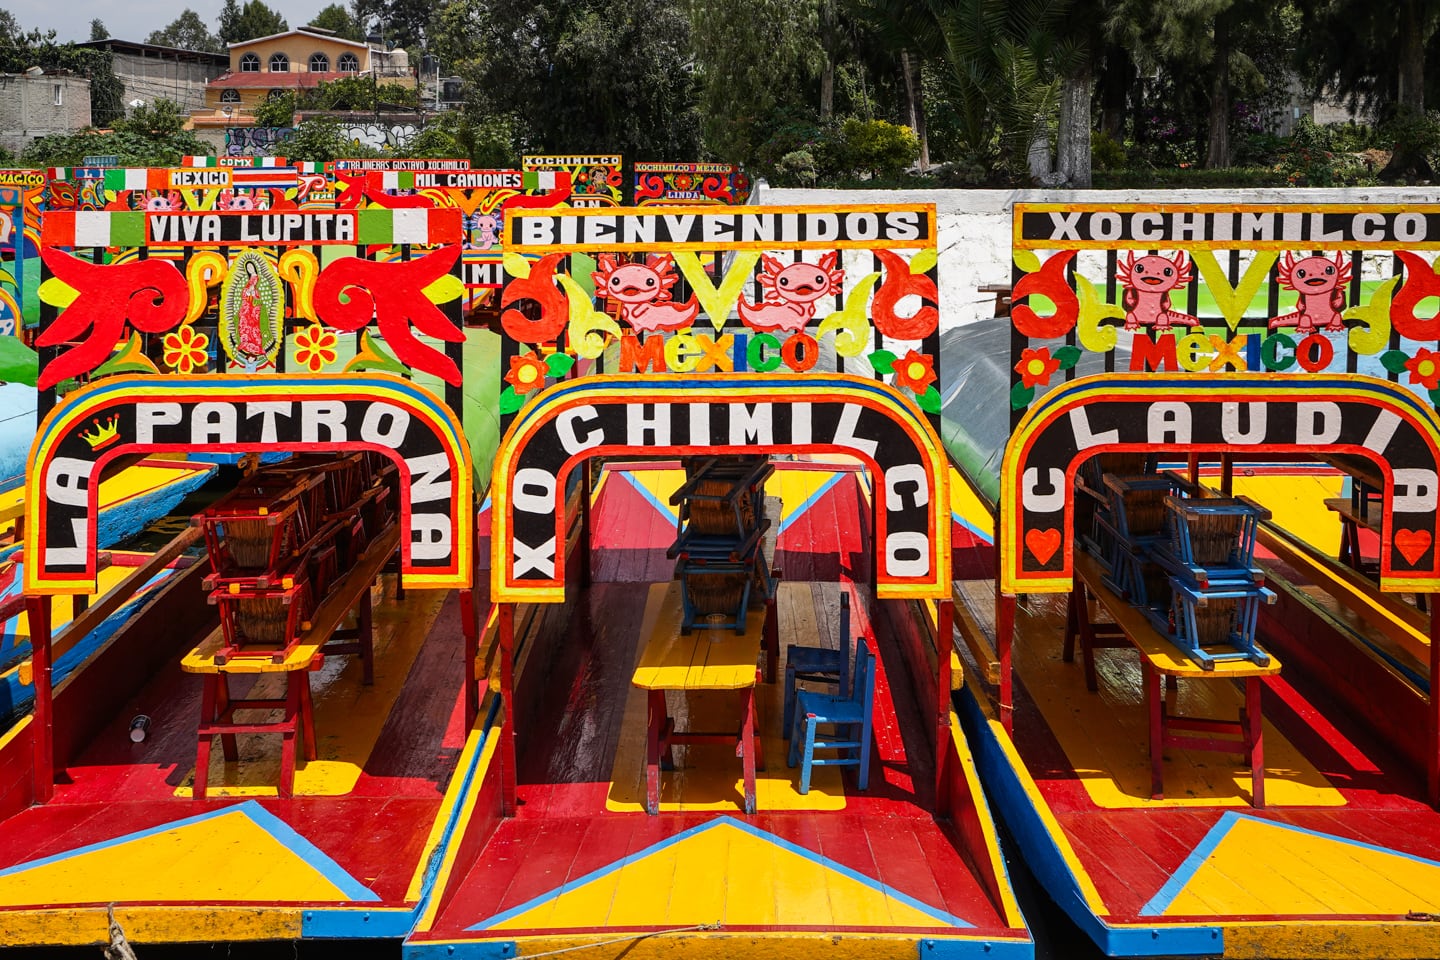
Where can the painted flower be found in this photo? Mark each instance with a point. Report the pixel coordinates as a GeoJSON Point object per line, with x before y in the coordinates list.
{"type": "Point", "coordinates": [1036, 367]}
{"type": "Point", "coordinates": [185, 350]}
{"type": "Point", "coordinates": [526, 373]}
{"type": "Point", "coordinates": [914, 370]}
{"type": "Point", "coordinates": [1424, 368]}
{"type": "Point", "coordinates": [683, 181]}
{"type": "Point", "coordinates": [315, 347]}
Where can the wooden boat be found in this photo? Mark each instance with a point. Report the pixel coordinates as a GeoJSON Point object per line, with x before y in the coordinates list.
{"type": "Point", "coordinates": [1170, 805]}
{"type": "Point", "coordinates": [486, 791]}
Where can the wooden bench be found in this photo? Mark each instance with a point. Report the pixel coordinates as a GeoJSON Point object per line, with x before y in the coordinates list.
{"type": "Point", "coordinates": [1162, 663]}
{"type": "Point", "coordinates": [697, 661]}
{"type": "Point", "coordinates": [218, 707]}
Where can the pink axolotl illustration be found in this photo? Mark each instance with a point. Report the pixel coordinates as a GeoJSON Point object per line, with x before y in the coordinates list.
{"type": "Point", "coordinates": [489, 228]}
{"type": "Point", "coordinates": [229, 201]}
{"type": "Point", "coordinates": [163, 202]}
{"type": "Point", "coordinates": [1148, 282]}
{"type": "Point", "coordinates": [643, 291]}
{"type": "Point", "coordinates": [791, 293]}
{"type": "Point", "coordinates": [1321, 285]}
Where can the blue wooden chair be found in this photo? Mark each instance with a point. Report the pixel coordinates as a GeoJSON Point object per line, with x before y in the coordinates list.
{"type": "Point", "coordinates": [818, 665]}
{"type": "Point", "coordinates": [851, 716]}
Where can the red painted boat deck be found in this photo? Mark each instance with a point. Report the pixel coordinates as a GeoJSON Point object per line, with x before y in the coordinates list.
{"type": "Point", "coordinates": [123, 823]}
{"type": "Point", "coordinates": [554, 869]}
{"type": "Point", "coordinates": [1344, 850]}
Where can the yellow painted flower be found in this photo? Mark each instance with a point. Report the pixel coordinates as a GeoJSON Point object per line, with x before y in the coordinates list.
{"type": "Point", "coordinates": [185, 350]}
{"type": "Point", "coordinates": [315, 347]}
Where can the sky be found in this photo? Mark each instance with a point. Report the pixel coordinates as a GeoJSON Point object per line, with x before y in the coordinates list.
{"type": "Point", "coordinates": [134, 19]}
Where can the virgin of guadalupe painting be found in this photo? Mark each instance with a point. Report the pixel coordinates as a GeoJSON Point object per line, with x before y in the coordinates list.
{"type": "Point", "coordinates": [251, 316]}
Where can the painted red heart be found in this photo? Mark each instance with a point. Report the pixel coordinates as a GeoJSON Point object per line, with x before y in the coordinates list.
{"type": "Point", "coordinates": [1412, 544]}
{"type": "Point", "coordinates": [1044, 543]}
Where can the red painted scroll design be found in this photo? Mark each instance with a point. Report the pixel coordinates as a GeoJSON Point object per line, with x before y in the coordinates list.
{"type": "Point", "coordinates": [350, 292]}
{"type": "Point", "coordinates": [150, 295]}
{"type": "Point", "coordinates": [1049, 281]}
{"type": "Point", "coordinates": [899, 283]}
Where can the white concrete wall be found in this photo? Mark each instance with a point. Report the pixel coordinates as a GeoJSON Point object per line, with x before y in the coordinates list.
{"type": "Point", "coordinates": [975, 225]}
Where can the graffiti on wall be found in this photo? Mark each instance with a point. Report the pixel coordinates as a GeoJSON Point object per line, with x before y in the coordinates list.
{"type": "Point", "coordinates": [254, 141]}
{"type": "Point", "coordinates": [379, 135]}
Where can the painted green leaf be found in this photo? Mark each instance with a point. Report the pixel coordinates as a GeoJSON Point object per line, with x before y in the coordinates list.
{"type": "Point", "coordinates": [1435, 398]}
{"type": "Point", "coordinates": [1394, 360]}
{"type": "Point", "coordinates": [128, 359]}
{"type": "Point", "coordinates": [883, 361]}
{"type": "Point", "coordinates": [373, 356]}
{"type": "Point", "coordinates": [559, 364]}
{"type": "Point", "coordinates": [1020, 396]}
{"type": "Point", "coordinates": [510, 401]}
{"type": "Point", "coordinates": [930, 400]}
{"type": "Point", "coordinates": [1067, 356]}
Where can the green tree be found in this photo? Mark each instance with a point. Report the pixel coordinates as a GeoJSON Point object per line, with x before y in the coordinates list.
{"type": "Point", "coordinates": [488, 142]}
{"type": "Point", "coordinates": [402, 23]}
{"type": "Point", "coordinates": [10, 29]}
{"type": "Point", "coordinates": [749, 54]}
{"type": "Point", "coordinates": [1204, 47]}
{"type": "Point", "coordinates": [98, 30]}
{"type": "Point", "coordinates": [1374, 55]}
{"type": "Point", "coordinates": [187, 32]}
{"type": "Point", "coordinates": [340, 21]}
{"type": "Point", "coordinates": [575, 76]}
{"type": "Point", "coordinates": [254, 19]}
{"type": "Point", "coordinates": [321, 138]}
{"type": "Point", "coordinates": [229, 22]}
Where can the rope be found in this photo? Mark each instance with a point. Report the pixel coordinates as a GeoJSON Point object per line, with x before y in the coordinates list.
{"type": "Point", "coordinates": [119, 948]}
{"type": "Point", "coordinates": [634, 937]}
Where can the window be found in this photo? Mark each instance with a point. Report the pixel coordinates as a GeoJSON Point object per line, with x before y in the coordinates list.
{"type": "Point", "coordinates": [275, 94]}
{"type": "Point", "coordinates": [229, 96]}
{"type": "Point", "coordinates": [249, 63]}
{"type": "Point", "coordinates": [319, 63]}
{"type": "Point", "coordinates": [279, 63]}
{"type": "Point", "coordinates": [59, 95]}
{"type": "Point", "coordinates": [349, 63]}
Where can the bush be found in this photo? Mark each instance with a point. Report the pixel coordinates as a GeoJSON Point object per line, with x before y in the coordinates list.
{"type": "Point", "coordinates": [796, 169]}
{"type": "Point", "coordinates": [1310, 160]}
{"type": "Point", "coordinates": [1105, 152]}
{"type": "Point", "coordinates": [276, 111]}
{"type": "Point", "coordinates": [878, 146]}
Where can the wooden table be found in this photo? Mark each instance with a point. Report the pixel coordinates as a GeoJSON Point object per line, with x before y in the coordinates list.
{"type": "Point", "coordinates": [673, 660]}
{"type": "Point", "coordinates": [217, 707]}
{"type": "Point", "coordinates": [1164, 663]}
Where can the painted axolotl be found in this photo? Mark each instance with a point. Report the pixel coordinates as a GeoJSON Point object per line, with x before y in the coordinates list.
{"type": "Point", "coordinates": [163, 202]}
{"type": "Point", "coordinates": [1148, 282]}
{"type": "Point", "coordinates": [1321, 285]}
{"type": "Point", "coordinates": [791, 293]}
{"type": "Point", "coordinates": [229, 200]}
{"type": "Point", "coordinates": [643, 292]}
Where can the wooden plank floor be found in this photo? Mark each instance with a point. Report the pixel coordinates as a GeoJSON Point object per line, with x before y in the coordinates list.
{"type": "Point", "coordinates": [1344, 834]}
{"type": "Point", "coordinates": [566, 863]}
{"type": "Point", "coordinates": [394, 765]}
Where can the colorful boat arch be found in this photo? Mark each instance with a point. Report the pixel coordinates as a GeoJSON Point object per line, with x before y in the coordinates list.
{"type": "Point", "coordinates": [1224, 413]}
{"type": "Point", "coordinates": [733, 414]}
{"type": "Point", "coordinates": [149, 414]}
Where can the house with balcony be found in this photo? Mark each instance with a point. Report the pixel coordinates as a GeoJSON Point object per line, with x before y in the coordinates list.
{"type": "Point", "coordinates": [292, 61]}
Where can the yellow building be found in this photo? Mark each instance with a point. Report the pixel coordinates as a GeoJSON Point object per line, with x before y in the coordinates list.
{"type": "Point", "coordinates": [295, 60]}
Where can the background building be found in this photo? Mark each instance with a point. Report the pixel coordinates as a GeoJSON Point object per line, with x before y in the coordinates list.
{"type": "Point", "coordinates": [38, 104]}
{"type": "Point", "coordinates": [152, 73]}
